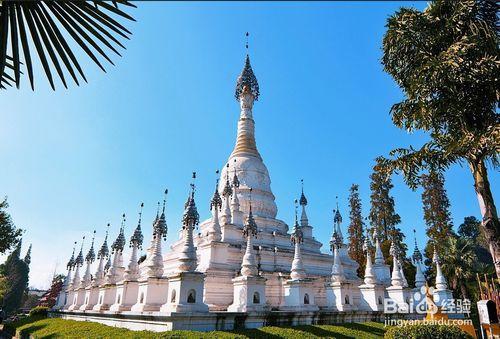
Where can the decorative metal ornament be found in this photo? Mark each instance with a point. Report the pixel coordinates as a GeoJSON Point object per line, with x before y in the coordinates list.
{"type": "Point", "coordinates": [216, 201]}
{"type": "Point", "coordinates": [104, 251]}
{"type": "Point", "coordinates": [91, 254]}
{"type": "Point", "coordinates": [336, 241]}
{"type": "Point", "coordinates": [250, 227]}
{"type": "Point", "coordinates": [337, 217]}
{"type": "Point", "coordinates": [137, 238]}
{"type": "Point", "coordinates": [191, 216]}
{"type": "Point", "coordinates": [71, 262]}
{"type": "Point", "coordinates": [247, 79]}
{"type": "Point", "coordinates": [417, 256]}
{"type": "Point", "coordinates": [79, 258]}
{"type": "Point", "coordinates": [236, 181]}
{"type": "Point", "coordinates": [303, 200]}
{"type": "Point", "coordinates": [227, 191]}
{"type": "Point", "coordinates": [160, 225]}
{"type": "Point", "coordinates": [119, 243]}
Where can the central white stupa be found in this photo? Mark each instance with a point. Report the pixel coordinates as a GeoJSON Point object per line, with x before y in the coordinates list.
{"type": "Point", "coordinates": [221, 259]}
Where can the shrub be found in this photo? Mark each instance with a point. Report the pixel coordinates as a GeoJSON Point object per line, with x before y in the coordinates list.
{"type": "Point", "coordinates": [39, 311]}
{"type": "Point", "coordinates": [425, 332]}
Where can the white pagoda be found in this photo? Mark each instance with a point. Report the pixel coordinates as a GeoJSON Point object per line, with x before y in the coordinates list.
{"type": "Point", "coordinates": [241, 264]}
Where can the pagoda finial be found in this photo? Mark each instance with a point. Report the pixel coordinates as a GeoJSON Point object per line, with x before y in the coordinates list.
{"type": "Point", "coordinates": [79, 258]}
{"type": "Point", "coordinates": [191, 216]}
{"type": "Point", "coordinates": [216, 202]}
{"type": "Point", "coordinates": [104, 251]}
{"type": "Point", "coordinates": [119, 242]}
{"type": "Point", "coordinates": [337, 220]}
{"type": "Point", "coordinates": [417, 256]}
{"type": "Point", "coordinates": [164, 200]}
{"type": "Point", "coordinates": [247, 82]}
{"type": "Point", "coordinates": [236, 181]}
{"type": "Point", "coordinates": [303, 200]}
{"type": "Point", "coordinates": [250, 227]}
{"type": "Point", "coordinates": [338, 217]}
{"type": "Point", "coordinates": [71, 262]}
{"type": "Point", "coordinates": [227, 191]}
{"type": "Point", "coordinates": [91, 254]}
{"type": "Point", "coordinates": [160, 225]}
{"type": "Point", "coordinates": [137, 237]}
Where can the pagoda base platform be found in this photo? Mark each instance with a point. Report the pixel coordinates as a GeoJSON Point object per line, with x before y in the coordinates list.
{"type": "Point", "coordinates": [215, 321]}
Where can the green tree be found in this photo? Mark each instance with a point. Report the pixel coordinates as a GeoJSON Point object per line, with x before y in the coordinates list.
{"type": "Point", "coordinates": [54, 28]}
{"type": "Point", "coordinates": [3, 287]}
{"type": "Point", "coordinates": [458, 263]}
{"type": "Point", "coordinates": [437, 215]}
{"type": "Point", "coordinates": [9, 234]}
{"type": "Point", "coordinates": [355, 229]}
{"type": "Point", "coordinates": [471, 229]}
{"type": "Point", "coordinates": [446, 61]}
{"type": "Point", "coordinates": [16, 272]}
{"type": "Point", "coordinates": [383, 217]}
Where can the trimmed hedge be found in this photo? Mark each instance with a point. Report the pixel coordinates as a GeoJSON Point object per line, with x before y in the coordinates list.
{"type": "Point", "coordinates": [61, 328]}
{"type": "Point", "coordinates": [41, 311]}
{"type": "Point", "coordinates": [426, 332]}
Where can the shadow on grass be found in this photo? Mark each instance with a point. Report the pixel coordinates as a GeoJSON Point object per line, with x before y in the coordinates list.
{"type": "Point", "coordinates": [322, 332]}
{"type": "Point", "coordinates": [29, 330]}
{"type": "Point", "coordinates": [256, 333]}
{"type": "Point", "coordinates": [365, 327]}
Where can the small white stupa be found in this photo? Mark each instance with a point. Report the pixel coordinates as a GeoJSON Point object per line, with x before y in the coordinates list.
{"type": "Point", "coordinates": [372, 291]}
{"type": "Point", "coordinates": [186, 285]}
{"type": "Point", "coordinates": [128, 289]}
{"type": "Point", "coordinates": [249, 287]}
{"type": "Point", "coordinates": [114, 274]}
{"type": "Point", "coordinates": [152, 284]}
{"type": "Point", "coordinates": [441, 294]}
{"type": "Point", "coordinates": [92, 291]}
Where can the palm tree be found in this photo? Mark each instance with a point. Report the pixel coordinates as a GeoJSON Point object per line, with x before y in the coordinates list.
{"type": "Point", "coordinates": [458, 263]}
{"type": "Point", "coordinates": [49, 24]}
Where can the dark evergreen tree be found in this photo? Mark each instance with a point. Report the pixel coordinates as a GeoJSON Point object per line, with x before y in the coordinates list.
{"type": "Point", "coordinates": [436, 215]}
{"type": "Point", "coordinates": [355, 229]}
{"type": "Point", "coordinates": [436, 207]}
{"type": "Point", "coordinates": [16, 272]}
{"type": "Point", "coordinates": [9, 234]}
{"type": "Point", "coordinates": [383, 217]}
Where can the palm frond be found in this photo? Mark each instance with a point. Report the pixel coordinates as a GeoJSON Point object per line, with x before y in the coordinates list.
{"type": "Point", "coordinates": [48, 25]}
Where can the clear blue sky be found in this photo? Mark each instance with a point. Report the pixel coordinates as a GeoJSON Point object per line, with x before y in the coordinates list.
{"type": "Point", "coordinates": [73, 160]}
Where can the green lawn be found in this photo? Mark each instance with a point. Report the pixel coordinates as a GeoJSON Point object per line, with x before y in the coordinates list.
{"type": "Point", "coordinates": [60, 328]}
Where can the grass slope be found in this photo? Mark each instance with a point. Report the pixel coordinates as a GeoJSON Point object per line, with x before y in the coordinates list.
{"type": "Point", "coordinates": [60, 328]}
